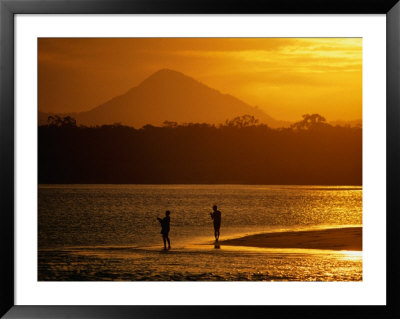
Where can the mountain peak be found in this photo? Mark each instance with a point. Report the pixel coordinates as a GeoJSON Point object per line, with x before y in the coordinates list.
{"type": "Point", "coordinates": [169, 95]}
{"type": "Point", "coordinates": [169, 76]}
{"type": "Point", "coordinates": [167, 71]}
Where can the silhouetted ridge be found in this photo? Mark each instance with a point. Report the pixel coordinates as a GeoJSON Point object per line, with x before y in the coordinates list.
{"type": "Point", "coordinates": [169, 95]}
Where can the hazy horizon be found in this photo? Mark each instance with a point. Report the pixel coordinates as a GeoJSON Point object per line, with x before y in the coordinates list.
{"type": "Point", "coordinates": [285, 77]}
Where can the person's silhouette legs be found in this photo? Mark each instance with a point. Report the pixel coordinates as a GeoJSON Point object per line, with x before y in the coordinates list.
{"type": "Point", "coordinates": [165, 240]}
{"type": "Point", "coordinates": [216, 234]}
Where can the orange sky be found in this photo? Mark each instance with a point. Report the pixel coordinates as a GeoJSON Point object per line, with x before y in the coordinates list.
{"type": "Point", "coordinates": [286, 77]}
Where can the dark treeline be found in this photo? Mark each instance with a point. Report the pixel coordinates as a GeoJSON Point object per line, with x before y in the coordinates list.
{"type": "Point", "coordinates": [239, 151]}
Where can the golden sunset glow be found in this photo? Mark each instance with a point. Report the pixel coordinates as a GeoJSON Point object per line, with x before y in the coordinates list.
{"type": "Point", "coordinates": [200, 159]}
{"type": "Point", "coordinates": [284, 77]}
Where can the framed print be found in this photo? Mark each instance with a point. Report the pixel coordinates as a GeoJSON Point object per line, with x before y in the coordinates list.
{"type": "Point", "coordinates": [190, 160]}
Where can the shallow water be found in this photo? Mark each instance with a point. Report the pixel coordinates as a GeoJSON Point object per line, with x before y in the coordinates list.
{"type": "Point", "coordinates": [110, 232]}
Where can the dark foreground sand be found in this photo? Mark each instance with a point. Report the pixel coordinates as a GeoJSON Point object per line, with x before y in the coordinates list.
{"type": "Point", "coordinates": [334, 239]}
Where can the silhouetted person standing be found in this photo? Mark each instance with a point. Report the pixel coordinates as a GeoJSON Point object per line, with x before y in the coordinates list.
{"type": "Point", "coordinates": [165, 229]}
{"type": "Point", "coordinates": [216, 217]}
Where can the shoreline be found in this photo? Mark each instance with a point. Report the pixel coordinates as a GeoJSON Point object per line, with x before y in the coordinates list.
{"type": "Point", "coordinates": [349, 238]}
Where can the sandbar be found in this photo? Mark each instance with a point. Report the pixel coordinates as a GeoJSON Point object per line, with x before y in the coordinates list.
{"type": "Point", "coordinates": [348, 238]}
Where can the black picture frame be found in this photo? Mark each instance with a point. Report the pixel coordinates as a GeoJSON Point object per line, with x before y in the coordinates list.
{"type": "Point", "coordinates": [9, 8]}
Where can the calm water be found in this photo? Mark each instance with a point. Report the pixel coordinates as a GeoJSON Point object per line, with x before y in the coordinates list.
{"type": "Point", "coordinates": [110, 232]}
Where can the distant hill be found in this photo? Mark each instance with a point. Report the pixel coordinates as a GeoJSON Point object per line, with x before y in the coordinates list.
{"type": "Point", "coordinates": [169, 95]}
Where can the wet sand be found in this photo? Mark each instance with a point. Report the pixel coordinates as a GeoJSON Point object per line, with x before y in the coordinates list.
{"type": "Point", "coordinates": [349, 238]}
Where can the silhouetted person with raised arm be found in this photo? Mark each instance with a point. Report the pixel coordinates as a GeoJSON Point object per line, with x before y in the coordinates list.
{"type": "Point", "coordinates": [216, 217]}
{"type": "Point", "coordinates": [165, 229]}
